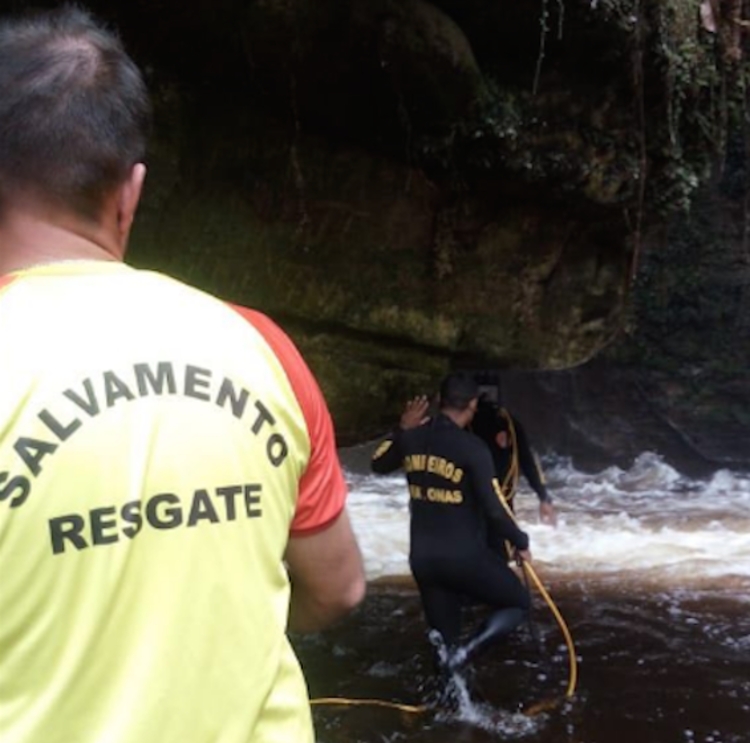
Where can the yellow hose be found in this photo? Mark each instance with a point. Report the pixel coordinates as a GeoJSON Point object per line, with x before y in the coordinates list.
{"type": "Point", "coordinates": [410, 708]}
{"type": "Point", "coordinates": [572, 661]}
{"type": "Point", "coordinates": [531, 711]}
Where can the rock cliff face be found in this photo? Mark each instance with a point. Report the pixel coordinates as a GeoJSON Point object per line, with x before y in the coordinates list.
{"type": "Point", "coordinates": [675, 382]}
{"type": "Point", "coordinates": [408, 186]}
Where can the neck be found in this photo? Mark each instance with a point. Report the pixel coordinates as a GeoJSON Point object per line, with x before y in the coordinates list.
{"type": "Point", "coordinates": [459, 417]}
{"type": "Point", "coordinates": [28, 239]}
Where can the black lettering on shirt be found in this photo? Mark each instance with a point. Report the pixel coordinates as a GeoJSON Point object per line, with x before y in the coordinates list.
{"type": "Point", "coordinates": [89, 405]}
{"type": "Point", "coordinates": [264, 416]}
{"type": "Point", "coordinates": [60, 430]}
{"type": "Point", "coordinates": [32, 451]}
{"type": "Point", "coordinates": [115, 388]}
{"type": "Point", "coordinates": [164, 377]}
{"type": "Point", "coordinates": [252, 500]}
{"type": "Point", "coordinates": [197, 380]}
{"type": "Point", "coordinates": [229, 493]}
{"type": "Point", "coordinates": [99, 523]}
{"type": "Point", "coordinates": [18, 484]}
{"type": "Point", "coordinates": [162, 511]}
{"type": "Point", "coordinates": [202, 508]}
{"type": "Point", "coordinates": [276, 449]}
{"type": "Point", "coordinates": [167, 518]}
{"type": "Point", "coordinates": [237, 400]}
{"type": "Point", "coordinates": [131, 513]}
{"type": "Point", "coordinates": [144, 379]}
{"type": "Point", "coordinates": [69, 528]}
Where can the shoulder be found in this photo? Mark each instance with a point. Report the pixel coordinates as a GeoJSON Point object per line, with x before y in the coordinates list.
{"type": "Point", "coordinates": [474, 441]}
{"type": "Point", "coordinates": [411, 436]}
{"type": "Point", "coordinates": [472, 447]}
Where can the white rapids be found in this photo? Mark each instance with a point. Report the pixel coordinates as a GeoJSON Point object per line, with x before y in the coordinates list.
{"type": "Point", "coordinates": [645, 524]}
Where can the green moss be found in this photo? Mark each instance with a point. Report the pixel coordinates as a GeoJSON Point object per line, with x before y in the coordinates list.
{"type": "Point", "coordinates": [477, 216]}
{"type": "Point", "coordinates": [366, 383]}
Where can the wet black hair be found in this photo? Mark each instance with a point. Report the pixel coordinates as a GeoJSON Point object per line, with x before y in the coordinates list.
{"type": "Point", "coordinates": [488, 420]}
{"type": "Point", "coordinates": [458, 390]}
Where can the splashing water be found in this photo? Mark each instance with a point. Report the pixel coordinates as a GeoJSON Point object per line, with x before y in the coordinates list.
{"type": "Point", "coordinates": [455, 702]}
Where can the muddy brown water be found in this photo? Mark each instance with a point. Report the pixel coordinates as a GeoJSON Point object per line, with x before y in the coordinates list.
{"type": "Point", "coordinates": [653, 665]}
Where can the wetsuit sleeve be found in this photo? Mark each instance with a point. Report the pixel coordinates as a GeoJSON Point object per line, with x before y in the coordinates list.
{"type": "Point", "coordinates": [528, 463]}
{"type": "Point", "coordinates": [387, 457]}
{"type": "Point", "coordinates": [322, 487]}
{"type": "Point", "coordinates": [487, 489]}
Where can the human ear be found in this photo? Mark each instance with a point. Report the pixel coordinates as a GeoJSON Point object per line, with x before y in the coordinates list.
{"type": "Point", "coordinates": [128, 196]}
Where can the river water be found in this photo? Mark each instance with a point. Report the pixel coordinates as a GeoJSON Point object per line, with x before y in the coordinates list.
{"type": "Point", "coordinates": [650, 573]}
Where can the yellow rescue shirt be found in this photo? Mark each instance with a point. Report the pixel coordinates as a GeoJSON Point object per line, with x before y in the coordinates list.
{"type": "Point", "coordinates": [157, 447]}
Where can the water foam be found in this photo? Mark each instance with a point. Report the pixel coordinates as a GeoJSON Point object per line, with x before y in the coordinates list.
{"type": "Point", "coordinates": [647, 519]}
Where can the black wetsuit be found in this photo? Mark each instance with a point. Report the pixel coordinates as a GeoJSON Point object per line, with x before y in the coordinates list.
{"type": "Point", "coordinates": [491, 420]}
{"type": "Point", "coordinates": [453, 499]}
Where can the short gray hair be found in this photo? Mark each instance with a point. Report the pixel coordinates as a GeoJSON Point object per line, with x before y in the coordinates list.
{"type": "Point", "coordinates": [74, 110]}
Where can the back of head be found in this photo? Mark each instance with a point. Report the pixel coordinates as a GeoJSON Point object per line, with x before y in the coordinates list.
{"type": "Point", "coordinates": [457, 391]}
{"type": "Point", "coordinates": [74, 111]}
{"type": "Point", "coordinates": [488, 421]}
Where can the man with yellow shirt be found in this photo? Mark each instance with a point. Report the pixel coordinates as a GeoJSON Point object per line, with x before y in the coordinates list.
{"type": "Point", "coordinates": [171, 500]}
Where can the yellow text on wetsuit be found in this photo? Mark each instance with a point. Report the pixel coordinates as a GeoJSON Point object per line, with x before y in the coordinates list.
{"type": "Point", "coordinates": [436, 495]}
{"type": "Point", "coordinates": [436, 465]}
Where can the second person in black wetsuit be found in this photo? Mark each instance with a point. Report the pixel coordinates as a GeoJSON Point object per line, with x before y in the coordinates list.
{"type": "Point", "coordinates": [454, 497]}
{"type": "Point", "coordinates": [512, 454]}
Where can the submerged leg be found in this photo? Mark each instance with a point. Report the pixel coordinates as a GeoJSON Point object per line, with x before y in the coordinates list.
{"type": "Point", "coordinates": [498, 625]}
{"type": "Point", "coordinates": [452, 687]}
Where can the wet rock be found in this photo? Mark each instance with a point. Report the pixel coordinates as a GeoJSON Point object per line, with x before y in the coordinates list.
{"type": "Point", "coordinates": [411, 186]}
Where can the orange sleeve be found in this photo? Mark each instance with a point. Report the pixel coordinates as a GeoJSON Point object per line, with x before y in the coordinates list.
{"type": "Point", "coordinates": [6, 279]}
{"type": "Point", "coordinates": [322, 489]}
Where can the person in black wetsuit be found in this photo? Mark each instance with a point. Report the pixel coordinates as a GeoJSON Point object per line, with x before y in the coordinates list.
{"type": "Point", "coordinates": [511, 454]}
{"type": "Point", "coordinates": [454, 496]}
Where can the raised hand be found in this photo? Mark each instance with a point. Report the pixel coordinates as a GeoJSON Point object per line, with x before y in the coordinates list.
{"type": "Point", "coordinates": [415, 412]}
